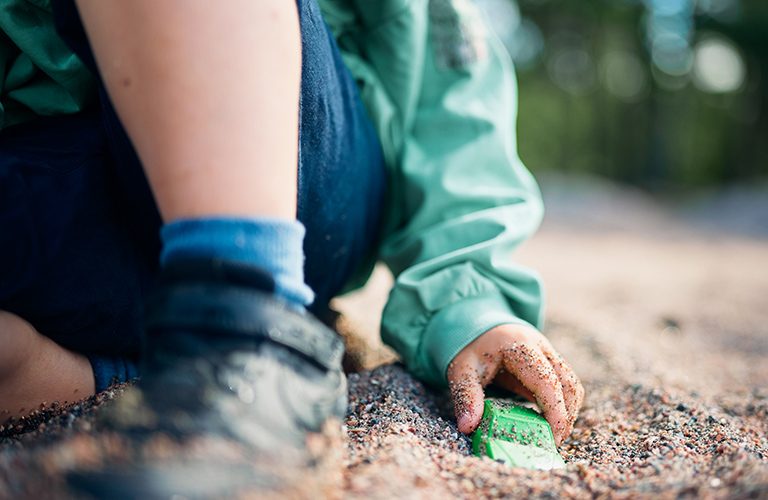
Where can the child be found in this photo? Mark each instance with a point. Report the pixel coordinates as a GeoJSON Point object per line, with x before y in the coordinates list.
{"type": "Point", "coordinates": [177, 135]}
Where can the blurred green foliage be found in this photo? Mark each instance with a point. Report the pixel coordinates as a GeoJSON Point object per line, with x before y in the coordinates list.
{"type": "Point", "coordinates": [663, 94]}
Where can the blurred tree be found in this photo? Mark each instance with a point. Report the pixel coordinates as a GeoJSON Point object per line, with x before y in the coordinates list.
{"type": "Point", "coordinates": [664, 94]}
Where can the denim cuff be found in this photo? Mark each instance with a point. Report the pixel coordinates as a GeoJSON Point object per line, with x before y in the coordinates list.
{"type": "Point", "coordinates": [108, 371]}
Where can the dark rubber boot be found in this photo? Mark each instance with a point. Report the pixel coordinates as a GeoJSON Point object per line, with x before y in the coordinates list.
{"type": "Point", "coordinates": [229, 367]}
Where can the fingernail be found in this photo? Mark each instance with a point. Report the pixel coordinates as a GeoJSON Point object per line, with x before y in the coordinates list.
{"type": "Point", "coordinates": [463, 423]}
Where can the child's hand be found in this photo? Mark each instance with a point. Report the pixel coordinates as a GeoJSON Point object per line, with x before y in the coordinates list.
{"type": "Point", "coordinates": [520, 359]}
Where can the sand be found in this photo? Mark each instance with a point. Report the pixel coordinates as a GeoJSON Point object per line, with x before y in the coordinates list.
{"type": "Point", "coordinates": [663, 318]}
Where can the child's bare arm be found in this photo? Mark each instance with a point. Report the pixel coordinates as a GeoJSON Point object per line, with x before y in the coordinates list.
{"type": "Point", "coordinates": [520, 359]}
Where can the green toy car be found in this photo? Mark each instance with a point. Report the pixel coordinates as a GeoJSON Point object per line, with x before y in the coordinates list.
{"type": "Point", "coordinates": [517, 436]}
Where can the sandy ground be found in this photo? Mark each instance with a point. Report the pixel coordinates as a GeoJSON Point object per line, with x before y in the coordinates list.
{"type": "Point", "coordinates": [663, 315]}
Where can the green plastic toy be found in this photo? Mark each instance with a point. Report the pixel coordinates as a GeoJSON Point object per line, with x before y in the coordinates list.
{"type": "Point", "coordinates": [517, 436]}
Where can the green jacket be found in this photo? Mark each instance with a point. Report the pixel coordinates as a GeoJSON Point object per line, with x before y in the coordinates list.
{"type": "Point", "coordinates": [441, 91]}
{"type": "Point", "coordinates": [39, 74]}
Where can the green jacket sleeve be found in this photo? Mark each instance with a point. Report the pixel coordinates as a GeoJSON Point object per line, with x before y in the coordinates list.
{"type": "Point", "coordinates": [462, 201]}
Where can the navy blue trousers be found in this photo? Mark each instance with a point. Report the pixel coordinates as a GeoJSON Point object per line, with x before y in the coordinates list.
{"type": "Point", "coordinates": [79, 229]}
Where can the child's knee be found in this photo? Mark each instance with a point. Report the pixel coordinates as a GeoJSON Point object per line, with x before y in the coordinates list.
{"type": "Point", "coordinates": [18, 339]}
{"type": "Point", "coordinates": [35, 370]}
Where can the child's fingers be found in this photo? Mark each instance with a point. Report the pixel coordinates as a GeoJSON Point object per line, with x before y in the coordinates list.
{"type": "Point", "coordinates": [507, 381]}
{"type": "Point", "coordinates": [573, 391]}
{"type": "Point", "coordinates": [465, 383]}
{"type": "Point", "coordinates": [533, 369]}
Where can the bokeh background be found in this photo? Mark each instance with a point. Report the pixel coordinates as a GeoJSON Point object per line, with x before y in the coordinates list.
{"type": "Point", "coordinates": [669, 96]}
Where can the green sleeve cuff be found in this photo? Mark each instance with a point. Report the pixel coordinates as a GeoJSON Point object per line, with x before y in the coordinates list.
{"type": "Point", "coordinates": [457, 325]}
